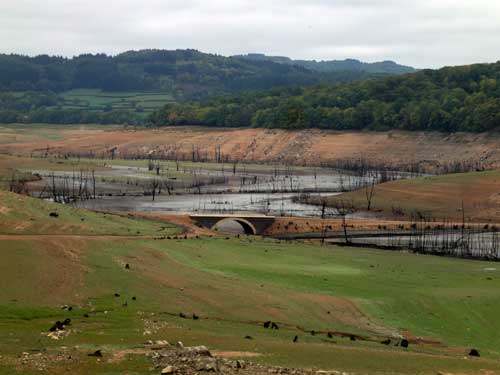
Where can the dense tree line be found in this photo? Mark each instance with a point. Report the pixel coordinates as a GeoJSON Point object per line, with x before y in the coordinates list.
{"type": "Point", "coordinates": [187, 74]}
{"type": "Point", "coordinates": [450, 99]}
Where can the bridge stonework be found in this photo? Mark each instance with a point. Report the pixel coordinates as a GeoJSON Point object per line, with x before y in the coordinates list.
{"type": "Point", "coordinates": [252, 224]}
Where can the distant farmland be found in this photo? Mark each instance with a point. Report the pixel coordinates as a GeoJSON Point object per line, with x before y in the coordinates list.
{"type": "Point", "coordinates": [98, 100]}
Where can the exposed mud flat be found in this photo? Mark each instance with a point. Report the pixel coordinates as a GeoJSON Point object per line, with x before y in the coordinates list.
{"type": "Point", "coordinates": [306, 147]}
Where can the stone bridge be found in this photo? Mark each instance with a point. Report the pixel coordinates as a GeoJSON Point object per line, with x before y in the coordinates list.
{"type": "Point", "coordinates": [252, 224]}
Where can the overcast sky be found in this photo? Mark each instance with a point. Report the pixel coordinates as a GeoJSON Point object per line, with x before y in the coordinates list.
{"type": "Point", "coordinates": [421, 33]}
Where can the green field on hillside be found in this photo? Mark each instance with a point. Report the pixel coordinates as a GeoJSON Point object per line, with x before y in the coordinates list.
{"type": "Point", "coordinates": [98, 100]}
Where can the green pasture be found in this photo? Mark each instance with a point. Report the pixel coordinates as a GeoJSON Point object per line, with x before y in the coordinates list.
{"type": "Point", "coordinates": [91, 99]}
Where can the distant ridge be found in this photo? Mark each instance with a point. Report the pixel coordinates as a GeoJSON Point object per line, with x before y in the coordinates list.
{"type": "Point", "coordinates": [126, 88]}
{"type": "Point", "coordinates": [185, 74]}
{"type": "Point", "coordinates": [386, 67]}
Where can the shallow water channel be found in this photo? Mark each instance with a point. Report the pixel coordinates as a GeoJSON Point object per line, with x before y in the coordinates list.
{"type": "Point", "coordinates": [276, 204]}
{"type": "Point", "coordinates": [263, 189]}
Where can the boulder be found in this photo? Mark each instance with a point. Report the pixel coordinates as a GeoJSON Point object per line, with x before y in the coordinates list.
{"type": "Point", "coordinates": [167, 370]}
{"type": "Point", "coordinates": [97, 353]}
{"type": "Point", "coordinates": [199, 350]}
{"type": "Point", "coordinates": [474, 353]}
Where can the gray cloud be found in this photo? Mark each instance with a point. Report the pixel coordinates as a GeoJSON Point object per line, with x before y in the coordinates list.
{"type": "Point", "coordinates": [425, 33]}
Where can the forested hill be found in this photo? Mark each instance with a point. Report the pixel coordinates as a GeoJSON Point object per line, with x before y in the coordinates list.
{"type": "Point", "coordinates": [184, 73]}
{"type": "Point", "coordinates": [381, 67]}
{"type": "Point", "coordinates": [126, 88]}
{"type": "Point", "coordinates": [463, 98]}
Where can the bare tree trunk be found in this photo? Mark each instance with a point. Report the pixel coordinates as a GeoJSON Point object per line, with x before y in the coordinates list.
{"type": "Point", "coordinates": [369, 190]}
{"type": "Point", "coordinates": [344, 225]}
{"type": "Point", "coordinates": [93, 183]}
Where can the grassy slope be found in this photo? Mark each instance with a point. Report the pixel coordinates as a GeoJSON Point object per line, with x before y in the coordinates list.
{"type": "Point", "coordinates": [438, 196]}
{"type": "Point", "coordinates": [23, 215]}
{"type": "Point", "coordinates": [427, 295]}
{"type": "Point", "coordinates": [233, 285]}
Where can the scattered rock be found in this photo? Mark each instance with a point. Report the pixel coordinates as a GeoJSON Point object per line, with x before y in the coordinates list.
{"type": "Point", "coordinates": [97, 353]}
{"type": "Point", "coordinates": [199, 360]}
{"type": "Point", "coordinates": [159, 344]}
{"type": "Point", "coordinates": [474, 353]}
{"type": "Point", "coordinates": [199, 350]}
{"type": "Point", "coordinates": [57, 335]}
{"type": "Point", "coordinates": [59, 326]}
{"type": "Point", "coordinates": [168, 370]}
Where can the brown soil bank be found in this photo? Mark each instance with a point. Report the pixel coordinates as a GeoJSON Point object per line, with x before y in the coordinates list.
{"type": "Point", "coordinates": [305, 147]}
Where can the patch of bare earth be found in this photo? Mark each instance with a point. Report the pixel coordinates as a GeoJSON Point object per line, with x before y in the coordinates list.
{"type": "Point", "coordinates": [235, 354]}
{"type": "Point", "coordinates": [4, 210]}
{"type": "Point", "coordinates": [190, 229]}
{"type": "Point", "coordinates": [60, 273]}
{"type": "Point", "coordinates": [295, 225]}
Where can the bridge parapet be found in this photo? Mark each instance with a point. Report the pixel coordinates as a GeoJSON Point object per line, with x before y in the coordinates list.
{"type": "Point", "coordinates": [252, 224]}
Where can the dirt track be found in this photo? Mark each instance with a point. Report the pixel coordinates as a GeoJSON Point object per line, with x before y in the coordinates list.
{"type": "Point", "coordinates": [306, 147]}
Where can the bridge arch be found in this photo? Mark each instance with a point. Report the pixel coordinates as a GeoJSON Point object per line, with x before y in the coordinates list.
{"type": "Point", "coordinates": [247, 226]}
